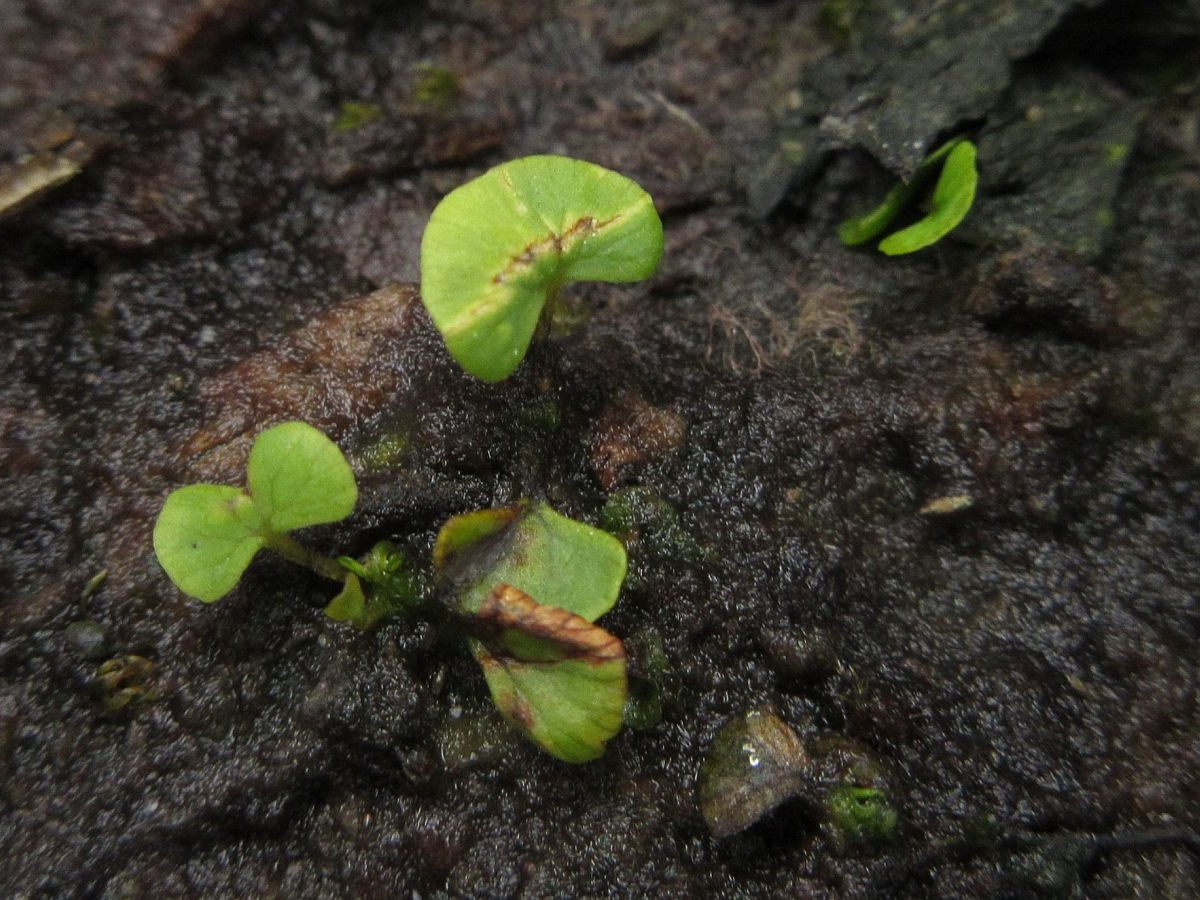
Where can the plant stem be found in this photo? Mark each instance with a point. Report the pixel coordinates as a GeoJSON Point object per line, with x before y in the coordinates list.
{"type": "Point", "coordinates": [545, 323]}
{"type": "Point", "coordinates": [290, 548]}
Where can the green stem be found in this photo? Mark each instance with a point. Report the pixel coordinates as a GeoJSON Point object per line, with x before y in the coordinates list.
{"type": "Point", "coordinates": [290, 548]}
{"type": "Point", "coordinates": [545, 322]}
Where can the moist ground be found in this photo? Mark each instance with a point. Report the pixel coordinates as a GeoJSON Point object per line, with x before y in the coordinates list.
{"type": "Point", "coordinates": [939, 512]}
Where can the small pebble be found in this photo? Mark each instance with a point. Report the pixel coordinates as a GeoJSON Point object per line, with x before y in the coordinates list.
{"type": "Point", "coordinates": [89, 638]}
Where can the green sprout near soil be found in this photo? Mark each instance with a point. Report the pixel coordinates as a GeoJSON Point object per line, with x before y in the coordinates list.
{"type": "Point", "coordinates": [207, 534]}
{"type": "Point", "coordinates": [949, 204]}
{"type": "Point", "coordinates": [436, 86]}
{"type": "Point", "coordinates": [391, 588]}
{"type": "Point", "coordinates": [861, 815]}
{"type": "Point", "coordinates": [533, 583]}
{"type": "Point", "coordinates": [525, 583]}
{"type": "Point", "coordinates": [498, 249]}
{"type": "Point", "coordinates": [357, 113]}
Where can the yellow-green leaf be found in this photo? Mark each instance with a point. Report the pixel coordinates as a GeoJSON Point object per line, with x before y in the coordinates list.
{"type": "Point", "coordinates": [555, 676]}
{"type": "Point", "coordinates": [952, 200]}
{"type": "Point", "coordinates": [205, 537]}
{"type": "Point", "coordinates": [562, 562]}
{"type": "Point", "coordinates": [298, 477]}
{"type": "Point", "coordinates": [498, 246]}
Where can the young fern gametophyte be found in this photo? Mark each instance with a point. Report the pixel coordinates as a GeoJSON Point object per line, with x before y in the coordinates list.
{"type": "Point", "coordinates": [498, 249]}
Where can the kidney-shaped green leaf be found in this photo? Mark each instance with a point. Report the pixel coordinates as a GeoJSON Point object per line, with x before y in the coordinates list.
{"type": "Point", "coordinates": [299, 477]}
{"type": "Point", "coordinates": [205, 537]}
{"type": "Point", "coordinates": [554, 675]}
{"type": "Point", "coordinates": [554, 559]}
{"type": "Point", "coordinates": [497, 246]}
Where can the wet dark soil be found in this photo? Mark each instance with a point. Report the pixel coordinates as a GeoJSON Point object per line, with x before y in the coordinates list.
{"type": "Point", "coordinates": [941, 509]}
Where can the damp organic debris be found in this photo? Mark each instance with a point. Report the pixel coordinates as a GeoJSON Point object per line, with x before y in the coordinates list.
{"type": "Point", "coordinates": [498, 249]}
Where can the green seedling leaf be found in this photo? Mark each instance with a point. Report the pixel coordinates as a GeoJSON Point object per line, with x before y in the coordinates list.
{"type": "Point", "coordinates": [533, 548]}
{"type": "Point", "coordinates": [862, 228]}
{"type": "Point", "coordinates": [393, 588]}
{"type": "Point", "coordinates": [955, 199]}
{"type": "Point", "coordinates": [207, 534]}
{"type": "Point", "coordinates": [952, 199]}
{"type": "Point", "coordinates": [532, 582]}
{"type": "Point", "coordinates": [350, 605]}
{"type": "Point", "coordinates": [205, 537]}
{"type": "Point", "coordinates": [552, 674]}
{"type": "Point", "coordinates": [298, 477]}
{"type": "Point", "coordinates": [497, 247]}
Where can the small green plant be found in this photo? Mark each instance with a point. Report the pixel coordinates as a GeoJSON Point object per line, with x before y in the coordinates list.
{"type": "Point", "coordinates": [532, 583]}
{"type": "Point", "coordinates": [436, 86]}
{"type": "Point", "coordinates": [949, 204]}
{"type": "Point", "coordinates": [498, 249]}
{"type": "Point", "coordinates": [355, 114]}
{"type": "Point", "coordinates": [391, 588]}
{"type": "Point", "coordinates": [860, 815]}
{"type": "Point", "coordinates": [207, 534]}
{"type": "Point", "coordinates": [526, 583]}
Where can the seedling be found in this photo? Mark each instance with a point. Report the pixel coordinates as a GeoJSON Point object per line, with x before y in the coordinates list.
{"type": "Point", "coordinates": [436, 86]}
{"type": "Point", "coordinates": [357, 113]}
{"type": "Point", "coordinates": [532, 583]}
{"type": "Point", "coordinates": [498, 249]}
{"type": "Point", "coordinates": [951, 200]}
{"type": "Point", "coordinates": [527, 583]}
{"type": "Point", "coordinates": [392, 588]}
{"type": "Point", "coordinates": [860, 815]}
{"type": "Point", "coordinates": [125, 680]}
{"type": "Point", "coordinates": [207, 534]}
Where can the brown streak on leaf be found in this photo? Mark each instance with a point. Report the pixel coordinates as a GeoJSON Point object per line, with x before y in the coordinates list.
{"type": "Point", "coordinates": [509, 607]}
{"type": "Point", "coordinates": [555, 243]}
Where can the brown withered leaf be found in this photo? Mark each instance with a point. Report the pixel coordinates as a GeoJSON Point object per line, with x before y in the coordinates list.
{"type": "Point", "coordinates": [755, 763]}
{"type": "Point", "coordinates": [509, 617]}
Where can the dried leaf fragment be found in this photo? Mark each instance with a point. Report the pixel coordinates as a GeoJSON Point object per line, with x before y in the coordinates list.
{"type": "Point", "coordinates": [22, 184]}
{"type": "Point", "coordinates": [755, 763]}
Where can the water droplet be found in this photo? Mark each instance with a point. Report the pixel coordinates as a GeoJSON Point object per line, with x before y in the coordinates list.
{"type": "Point", "coordinates": [751, 753]}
